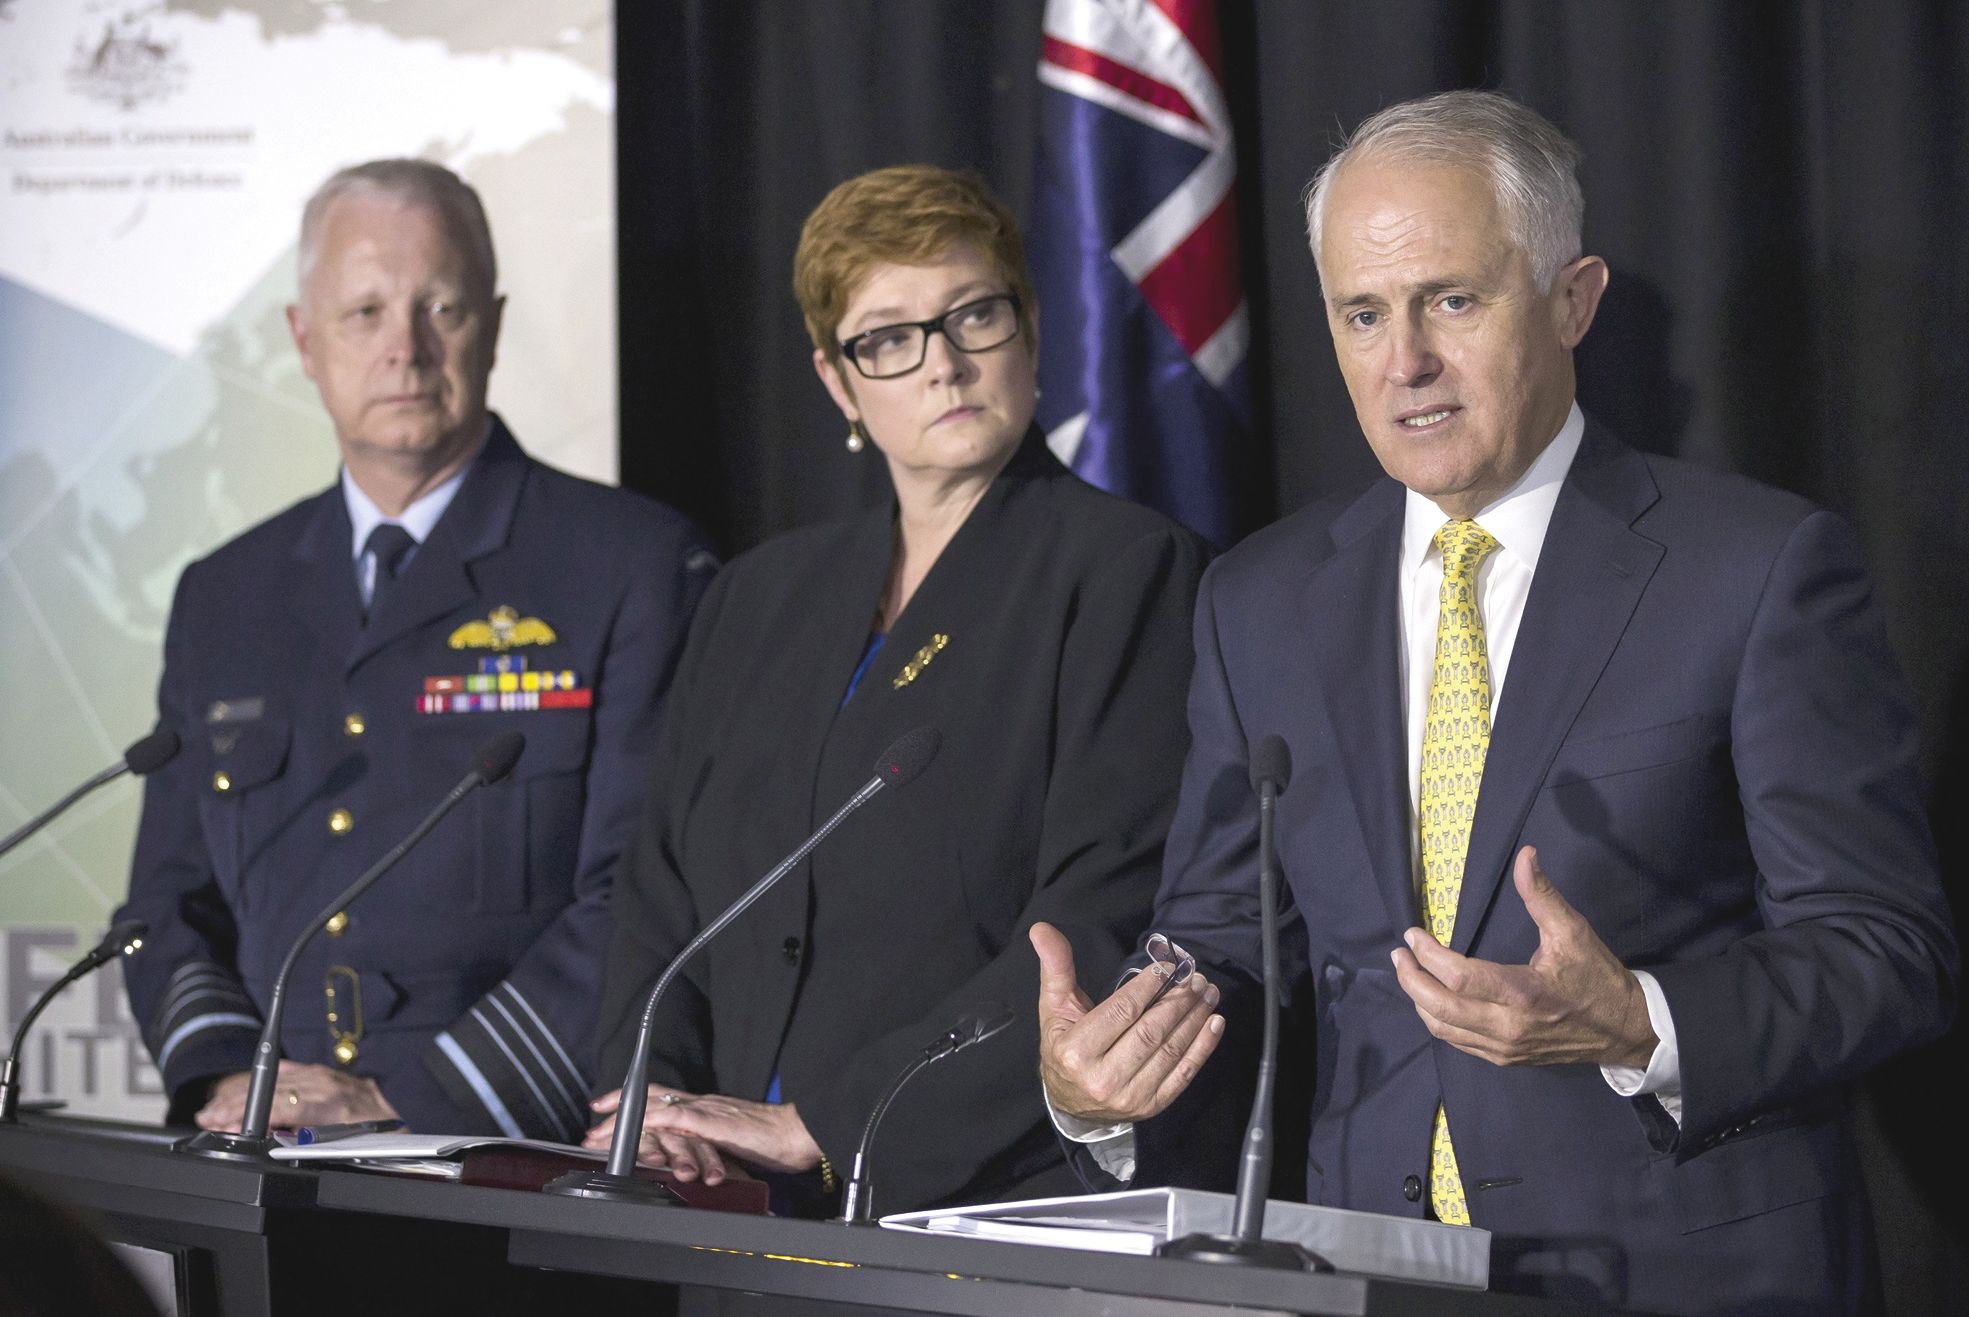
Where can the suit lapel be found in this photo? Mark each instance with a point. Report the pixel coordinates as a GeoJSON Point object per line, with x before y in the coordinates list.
{"type": "Point", "coordinates": [324, 598]}
{"type": "Point", "coordinates": [1356, 629]}
{"type": "Point", "coordinates": [948, 597]}
{"type": "Point", "coordinates": [963, 573]}
{"type": "Point", "coordinates": [834, 618]}
{"type": "Point", "coordinates": [835, 612]}
{"type": "Point", "coordinates": [439, 580]}
{"type": "Point", "coordinates": [1591, 573]}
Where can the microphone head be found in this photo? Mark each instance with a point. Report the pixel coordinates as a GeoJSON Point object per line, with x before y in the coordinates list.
{"type": "Point", "coordinates": [980, 1023]}
{"type": "Point", "coordinates": [123, 937]}
{"type": "Point", "coordinates": [495, 759]}
{"type": "Point", "coordinates": [910, 755]}
{"type": "Point", "coordinates": [1271, 762]}
{"type": "Point", "coordinates": [147, 755]}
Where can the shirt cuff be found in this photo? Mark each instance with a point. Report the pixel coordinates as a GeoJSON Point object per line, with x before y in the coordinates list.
{"type": "Point", "coordinates": [1111, 1146]}
{"type": "Point", "coordinates": [1662, 1080]}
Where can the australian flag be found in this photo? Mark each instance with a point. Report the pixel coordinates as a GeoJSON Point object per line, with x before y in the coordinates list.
{"type": "Point", "coordinates": [1144, 331]}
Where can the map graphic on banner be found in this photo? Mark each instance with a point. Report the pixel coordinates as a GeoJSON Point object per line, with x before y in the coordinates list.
{"type": "Point", "coordinates": [153, 163]}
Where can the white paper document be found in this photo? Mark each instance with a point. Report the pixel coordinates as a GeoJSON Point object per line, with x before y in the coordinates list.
{"type": "Point", "coordinates": [1137, 1220]}
{"type": "Point", "coordinates": [412, 1147]}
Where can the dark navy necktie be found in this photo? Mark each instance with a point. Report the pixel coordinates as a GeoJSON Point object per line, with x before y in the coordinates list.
{"type": "Point", "coordinates": [390, 544]}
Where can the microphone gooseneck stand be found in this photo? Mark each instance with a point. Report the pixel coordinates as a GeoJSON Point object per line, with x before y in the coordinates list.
{"type": "Point", "coordinates": [1271, 769]}
{"type": "Point", "coordinates": [121, 940]}
{"type": "Point", "coordinates": [974, 1026]}
{"type": "Point", "coordinates": [145, 756]}
{"type": "Point", "coordinates": [618, 1183]}
{"type": "Point", "coordinates": [494, 760]}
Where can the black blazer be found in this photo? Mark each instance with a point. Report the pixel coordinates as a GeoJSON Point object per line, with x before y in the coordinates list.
{"type": "Point", "coordinates": [1062, 617]}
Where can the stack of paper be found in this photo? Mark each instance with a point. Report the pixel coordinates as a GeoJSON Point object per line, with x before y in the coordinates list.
{"type": "Point", "coordinates": [436, 1155]}
{"type": "Point", "coordinates": [1138, 1220]}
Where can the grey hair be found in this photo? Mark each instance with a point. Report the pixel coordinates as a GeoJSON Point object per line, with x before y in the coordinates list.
{"type": "Point", "coordinates": [1532, 167]}
{"type": "Point", "coordinates": [416, 182]}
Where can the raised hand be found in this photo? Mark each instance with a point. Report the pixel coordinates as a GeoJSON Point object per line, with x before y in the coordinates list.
{"type": "Point", "coordinates": [1572, 1002]}
{"type": "Point", "coordinates": [1123, 1059]}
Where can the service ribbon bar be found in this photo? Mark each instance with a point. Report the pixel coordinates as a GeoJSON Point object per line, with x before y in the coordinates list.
{"type": "Point", "coordinates": [519, 701]}
{"type": "Point", "coordinates": [502, 683]}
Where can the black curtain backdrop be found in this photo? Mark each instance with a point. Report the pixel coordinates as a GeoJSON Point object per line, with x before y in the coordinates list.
{"type": "Point", "coordinates": [1779, 189]}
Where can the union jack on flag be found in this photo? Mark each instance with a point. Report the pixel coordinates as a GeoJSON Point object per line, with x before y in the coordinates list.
{"type": "Point", "coordinates": [1144, 331]}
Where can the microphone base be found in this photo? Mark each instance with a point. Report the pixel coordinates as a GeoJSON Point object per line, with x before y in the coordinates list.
{"type": "Point", "coordinates": [227, 1146]}
{"type": "Point", "coordinates": [1229, 1250]}
{"type": "Point", "coordinates": [608, 1188]}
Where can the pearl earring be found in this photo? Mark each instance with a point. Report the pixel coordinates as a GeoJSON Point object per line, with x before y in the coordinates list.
{"type": "Point", "coordinates": [855, 440]}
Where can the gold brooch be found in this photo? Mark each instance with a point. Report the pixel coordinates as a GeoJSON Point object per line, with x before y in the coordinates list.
{"type": "Point", "coordinates": [921, 661]}
{"type": "Point", "coordinates": [503, 630]}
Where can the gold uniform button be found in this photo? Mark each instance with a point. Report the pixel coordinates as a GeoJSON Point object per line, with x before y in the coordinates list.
{"type": "Point", "coordinates": [222, 781]}
{"type": "Point", "coordinates": [336, 923]}
{"type": "Point", "coordinates": [340, 821]}
{"type": "Point", "coordinates": [353, 725]}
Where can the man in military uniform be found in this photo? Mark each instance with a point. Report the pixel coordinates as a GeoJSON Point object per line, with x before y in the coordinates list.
{"type": "Point", "coordinates": [331, 672]}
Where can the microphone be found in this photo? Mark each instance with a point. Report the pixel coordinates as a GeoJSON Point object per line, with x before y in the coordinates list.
{"type": "Point", "coordinates": [897, 766]}
{"type": "Point", "coordinates": [1271, 770]}
{"type": "Point", "coordinates": [492, 762]}
{"type": "Point", "coordinates": [974, 1026]}
{"type": "Point", "coordinates": [143, 758]}
{"type": "Point", "coordinates": [121, 940]}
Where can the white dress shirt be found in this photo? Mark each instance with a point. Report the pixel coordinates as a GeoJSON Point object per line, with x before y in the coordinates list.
{"type": "Point", "coordinates": [1517, 520]}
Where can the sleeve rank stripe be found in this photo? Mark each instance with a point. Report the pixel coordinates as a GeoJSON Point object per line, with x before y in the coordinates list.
{"type": "Point", "coordinates": [571, 1108]}
{"type": "Point", "coordinates": [555, 1119]}
{"type": "Point", "coordinates": [480, 1085]}
{"type": "Point", "coordinates": [576, 1080]}
{"type": "Point", "coordinates": [200, 1024]}
{"type": "Point", "coordinates": [220, 991]}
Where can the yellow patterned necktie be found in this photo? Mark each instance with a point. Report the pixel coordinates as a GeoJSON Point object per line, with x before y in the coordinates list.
{"type": "Point", "coordinates": [1455, 738]}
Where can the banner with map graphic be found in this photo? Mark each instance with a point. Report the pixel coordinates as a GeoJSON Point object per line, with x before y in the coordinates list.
{"type": "Point", "coordinates": [154, 158]}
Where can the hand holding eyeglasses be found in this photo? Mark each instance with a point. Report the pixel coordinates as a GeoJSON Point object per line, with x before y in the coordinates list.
{"type": "Point", "coordinates": [1168, 962]}
{"type": "Point", "coordinates": [1127, 1057]}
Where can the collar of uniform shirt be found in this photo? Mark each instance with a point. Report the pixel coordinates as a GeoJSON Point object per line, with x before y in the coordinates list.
{"type": "Point", "coordinates": [418, 518]}
{"type": "Point", "coordinates": [1517, 520]}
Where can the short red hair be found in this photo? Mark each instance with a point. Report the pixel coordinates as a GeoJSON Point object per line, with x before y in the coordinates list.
{"type": "Point", "coordinates": [902, 215]}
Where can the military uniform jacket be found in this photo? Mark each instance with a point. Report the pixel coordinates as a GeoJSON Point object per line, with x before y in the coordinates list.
{"type": "Point", "coordinates": [312, 747]}
{"type": "Point", "coordinates": [1049, 648]}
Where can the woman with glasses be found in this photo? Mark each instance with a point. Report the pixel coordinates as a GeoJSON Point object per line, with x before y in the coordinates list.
{"type": "Point", "coordinates": [1039, 625]}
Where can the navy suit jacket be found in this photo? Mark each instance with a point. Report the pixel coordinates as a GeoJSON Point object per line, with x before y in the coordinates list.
{"type": "Point", "coordinates": [1704, 734]}
{"type": "Point", "coordinates": [478, 958]}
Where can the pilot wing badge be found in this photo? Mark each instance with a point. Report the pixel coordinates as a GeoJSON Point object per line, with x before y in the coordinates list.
{"type": "Point", "coordinates": [502, 630]}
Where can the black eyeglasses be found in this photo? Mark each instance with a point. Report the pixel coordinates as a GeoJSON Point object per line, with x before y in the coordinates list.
{"type": "Point", "coordinates": [893, 350]}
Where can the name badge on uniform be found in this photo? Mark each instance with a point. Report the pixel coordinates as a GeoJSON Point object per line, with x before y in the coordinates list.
{"type": "Point", "coordinates": [242, 710]}
{"type": "Point", "coordinates": [225, 717]}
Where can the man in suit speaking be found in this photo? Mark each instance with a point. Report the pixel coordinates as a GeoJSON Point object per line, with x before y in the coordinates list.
{"type": "Point", "coordinates": [1603, 847]}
